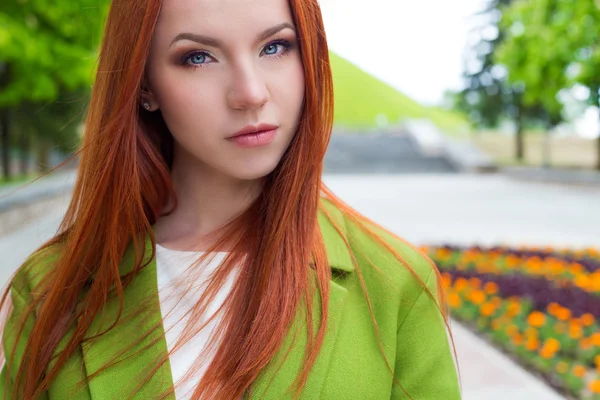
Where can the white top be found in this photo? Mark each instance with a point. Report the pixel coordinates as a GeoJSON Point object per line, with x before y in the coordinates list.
{"type": "Point", "coordinates": [171, 264]}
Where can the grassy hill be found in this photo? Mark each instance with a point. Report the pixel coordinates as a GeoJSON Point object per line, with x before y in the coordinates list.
{"type": "Point", "coordinates": [360, 98]}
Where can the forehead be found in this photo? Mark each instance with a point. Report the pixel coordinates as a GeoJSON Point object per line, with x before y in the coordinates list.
{"type": "Point", "coordinates": [221, 16]}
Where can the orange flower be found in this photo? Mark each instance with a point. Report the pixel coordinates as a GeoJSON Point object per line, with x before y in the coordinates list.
{"type": "Point", "coordinates": [552, 308]}
{"type": "Point", "coordinates": [546, 353]}
{"type": "Point", "coordinates": [585, 344]}
{"type": "Point", "coordinates": [512, 261]}
{"type": "Point", "coordinates": [563, 314]}
{"type": "Point", "coordinates": [532, 344]}
{"type": "Point", "coordinates": [454, 300]}
{"type": "Point", "coordinates": [460, 284]}
{"type": "Point", "coordinates": [597, 360]}
{"type": "Point", "coordinates": [446, 280]}
{"type": "Point", "coordinates": [579, 371]}
{"type": "Point", "coordinates": [513, 309]}
{"type": "Point", "coordinates": [595, 339]}
{"type": "Point", "coordinates": [487, 309]}
{"type": "Point", "coordinates": [517, 339]}
{"type": "Point", "coordinates": [575, 331]}
{"type": "Point", "coordinates": [443, 253]}
{"type": "Point", "coordinates": [552, 344]}
{"type": "Point", "coordinates": [536, 319]}
{"type": "Point", "coordinates": [478, 297]}
{"type": "Point", "coordinates": [491, 288]}
{"type": "Point", "coordinates": [496, 301]}
{"type": "Point", "coordinates": [594, 386]}
{"type": "Point", "coordinates": [475, 282]}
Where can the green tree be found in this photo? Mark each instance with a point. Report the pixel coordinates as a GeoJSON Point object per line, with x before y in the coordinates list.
{"type": "Point", "coordinates": [47, 50]}
{"type": "Point", "coordinates": [488, 97]}
{"type": "Point", "coordinates": [545, 39]}
{"type": "Point", "coordinates": [584, 34]}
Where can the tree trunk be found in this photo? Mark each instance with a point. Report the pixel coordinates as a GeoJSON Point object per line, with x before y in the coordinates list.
{"type": "Point", "coordinates": [598, 153]}
{"type": "Point", "coordinates": [547, 150]}
{"type": "Point", "coordinates": [43, 156]}
{"type": "Point", "coordinates": [520, 140]}
{"type": "Point", "coordinates": [24, 149]}
{"type": "Point", "coordinates": [5, 131]}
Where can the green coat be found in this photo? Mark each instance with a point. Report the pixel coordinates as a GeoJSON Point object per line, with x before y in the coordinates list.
{"type": "Point", "coordinates": [350, 364]}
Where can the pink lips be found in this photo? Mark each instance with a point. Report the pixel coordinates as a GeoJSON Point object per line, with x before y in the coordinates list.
{"type": "Point", "coordinates": [254, 139]}
{"type": "Point", "coordinates": [254, 135]}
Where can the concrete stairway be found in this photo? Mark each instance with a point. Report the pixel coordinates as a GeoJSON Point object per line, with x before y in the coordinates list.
{"type": "Point", "coordinates": [381, 153]}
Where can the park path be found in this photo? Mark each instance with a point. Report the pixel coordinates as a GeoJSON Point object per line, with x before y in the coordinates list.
{"type": "Point", "coordinates": [432, 209]}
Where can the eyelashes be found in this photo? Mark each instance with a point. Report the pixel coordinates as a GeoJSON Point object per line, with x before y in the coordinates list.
{"type": "Point", "coordinates": [202, 56]}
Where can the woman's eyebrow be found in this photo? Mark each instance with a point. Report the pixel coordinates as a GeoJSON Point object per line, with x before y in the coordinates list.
{"type": "Point", "coordinates": [208, 41]}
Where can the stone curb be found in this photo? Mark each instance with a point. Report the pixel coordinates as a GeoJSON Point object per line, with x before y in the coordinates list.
{"type": "Point", "coordinates": [553, 175]}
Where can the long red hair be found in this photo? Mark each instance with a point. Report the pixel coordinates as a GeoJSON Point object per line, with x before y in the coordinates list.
{"type": "Point", "coordinates": [123, 186]}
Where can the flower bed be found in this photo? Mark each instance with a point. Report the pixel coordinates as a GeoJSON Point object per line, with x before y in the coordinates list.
{"type": "Point", "coordinates": [540, 305]}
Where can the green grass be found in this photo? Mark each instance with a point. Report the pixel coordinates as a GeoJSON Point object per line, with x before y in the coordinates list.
{"type": "Point", "coordinates": [360, 98]}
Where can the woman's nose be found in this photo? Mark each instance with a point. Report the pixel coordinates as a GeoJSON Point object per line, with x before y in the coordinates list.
{"type": "Point", "coordinates": [248, 89]}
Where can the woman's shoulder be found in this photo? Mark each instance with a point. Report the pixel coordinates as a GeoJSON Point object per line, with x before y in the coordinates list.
{"type": "Point", "coordinates": [36, 267]}
{"type": "Point", "coordinates": [373, 248]}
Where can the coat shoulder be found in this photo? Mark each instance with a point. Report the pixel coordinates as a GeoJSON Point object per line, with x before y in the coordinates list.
{"type": "Point", "coordinates": [36, 268]}
{"type": "Point", "coordinates": [378, 246]}
{"type": "Point", "coordinates": [388, 261]}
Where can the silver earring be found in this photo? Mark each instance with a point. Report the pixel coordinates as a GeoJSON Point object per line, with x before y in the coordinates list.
{"type": "Point", "coordinates": [147, 106]}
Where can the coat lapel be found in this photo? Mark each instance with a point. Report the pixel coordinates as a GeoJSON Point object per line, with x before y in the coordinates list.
{"type": "Point", "coordinates": [270, 384]}
{"type": "Point", "coordinates": [110, 383]}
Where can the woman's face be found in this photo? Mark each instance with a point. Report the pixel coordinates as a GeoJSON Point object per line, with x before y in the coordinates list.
{"type": "Point", "coordinates": [218, 66]}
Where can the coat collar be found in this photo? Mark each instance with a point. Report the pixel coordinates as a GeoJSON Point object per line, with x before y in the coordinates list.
{"type": "Point", "coordinates": [273, 381]}
{"type": "Point", "coordinates": [328, 217]}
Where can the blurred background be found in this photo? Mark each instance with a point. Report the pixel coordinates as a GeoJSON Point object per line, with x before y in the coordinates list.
{"type": "Point", "coordinates": [470, 128]}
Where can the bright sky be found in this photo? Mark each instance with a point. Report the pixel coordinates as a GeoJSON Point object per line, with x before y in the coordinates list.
{"type": "Point", "coordinates": [416, 46]}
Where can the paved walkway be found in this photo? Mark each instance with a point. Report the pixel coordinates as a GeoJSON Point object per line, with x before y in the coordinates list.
{"type": "Point", "coordinates": [18, 194]}
{"type": "Point", "coordinates": [426, 209]}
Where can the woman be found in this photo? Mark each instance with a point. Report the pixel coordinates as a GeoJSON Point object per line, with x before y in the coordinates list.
{"type": "Point", "coordinates": [201, 168]}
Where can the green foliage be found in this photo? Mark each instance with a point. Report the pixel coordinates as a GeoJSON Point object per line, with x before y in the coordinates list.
{"type": "Point", "coordinates": [534, 53]}
{"type": "Point", "coordinates": [546, 39]}
{"type": "Point", "coordinates": [47, 46]}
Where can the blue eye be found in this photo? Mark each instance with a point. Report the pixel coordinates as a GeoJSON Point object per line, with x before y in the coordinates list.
{"type": "Point", "coordinates": [199, 59]}
{"type": "Point", "coordinates": [272, 47]}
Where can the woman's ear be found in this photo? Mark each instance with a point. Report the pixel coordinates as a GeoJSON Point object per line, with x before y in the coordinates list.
{"type": "Point", "coordinates": [147, 98]}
